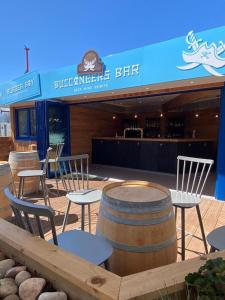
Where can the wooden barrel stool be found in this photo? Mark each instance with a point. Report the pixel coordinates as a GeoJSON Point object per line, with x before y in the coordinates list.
{"type": "Point", "coordinates": [23, 161]}
{"type": "Point", "coordinates": [137, 218]}
{"type": "Point", "coordinates": [5, 181]}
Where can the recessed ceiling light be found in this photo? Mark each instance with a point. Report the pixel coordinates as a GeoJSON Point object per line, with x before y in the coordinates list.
{"type": "Point", "coordinates": [216, 116]}
{"type": "Point", "coordinates": [196, 115]}
{"type": "Point", "coordinates": [135, 116]}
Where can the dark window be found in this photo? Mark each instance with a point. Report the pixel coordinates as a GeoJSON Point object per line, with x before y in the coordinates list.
{"type": "Point", "coordinates": [26, 123]}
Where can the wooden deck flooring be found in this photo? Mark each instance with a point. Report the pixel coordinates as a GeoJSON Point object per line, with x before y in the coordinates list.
{"type": "Point", "coordinates": [213, 214]}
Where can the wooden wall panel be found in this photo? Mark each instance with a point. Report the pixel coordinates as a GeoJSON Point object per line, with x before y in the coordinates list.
{"type": "Point", "coordinates": [6, 146]}
{"type": "Point", "coordinates": [86, 123]}
{"type": "Point", "coordinates": [25, 146]}
{"type": "Point", "coordinates": [206, 125]}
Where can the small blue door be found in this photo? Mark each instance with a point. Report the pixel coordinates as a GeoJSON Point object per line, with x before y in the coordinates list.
{"type": "Point", "coordinates": [53, 126]}
{"type": "Point", "coordinates": [58, 125]}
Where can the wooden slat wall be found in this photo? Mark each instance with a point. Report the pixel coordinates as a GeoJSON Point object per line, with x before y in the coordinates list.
{"type": "Point", "coordinates": [6, 146]}
{"type": "Point", "coordinates": [86, 123]}
{"type": "Point", "coordinates": [206, 125]}
{"type": "Point", "coordinates": [25, 146]}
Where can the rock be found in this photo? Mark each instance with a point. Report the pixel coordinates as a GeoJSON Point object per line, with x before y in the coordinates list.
{"type": "Point", "coordinates": [31, 288]}
{"type": "Point", "coordinates": [53, 296]}
{"type": "Point", "coordinates": [14, 271]}
{"type": "Point", "coordinates": [2, 255]}
{"type": "Point", "coordinates": [21, 277]}
{"type": "Point", "coordinates": [7, 287]}
{"type": "Point", "coordinates": [5, 265]}
{"type": "Point", "coordinates": [12, 297]}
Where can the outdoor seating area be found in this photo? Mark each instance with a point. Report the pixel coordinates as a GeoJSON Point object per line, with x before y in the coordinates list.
{"type": "Point", "coordinates": [88, 210]}
{"type": "Point", "coordinates": [77, 217]}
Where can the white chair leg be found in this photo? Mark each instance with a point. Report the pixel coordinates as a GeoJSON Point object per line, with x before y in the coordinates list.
{"type": "Point", "coordinates": [46, 191]}
{"type": "Point", "coordinates": [202, 229]}
{"type": "Point", "coordinates": [175, 215]}
{"type": "Point", "coordinates": [89, 217]}
{"type": "Point", "coordinates": [22, 188]}
{"type": "Point", "coordinates": [56, 179]}
{"type": "Point", "coordinates": [66, 216]}
{"type": "Point", "coordinates": [43, 190]}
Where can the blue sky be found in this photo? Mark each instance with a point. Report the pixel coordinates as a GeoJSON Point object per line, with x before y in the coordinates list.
{"type": "Point", "coordinates": [58, 32]}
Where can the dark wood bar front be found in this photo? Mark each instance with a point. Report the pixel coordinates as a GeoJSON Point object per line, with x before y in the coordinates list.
{"type": "Point", "coordinates": [159, 155]}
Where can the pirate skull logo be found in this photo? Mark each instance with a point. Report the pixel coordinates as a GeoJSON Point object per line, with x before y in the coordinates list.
{"type": "Point", "coordinates": [91, 64]}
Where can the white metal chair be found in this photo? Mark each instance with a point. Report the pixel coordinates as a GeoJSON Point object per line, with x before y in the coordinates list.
{"type": "Point", "coordinates": [74, 172]}
{"type": "Point", "coordinates": [58, 153]}
{"type": "Point", "coordinates": [35, 173]}
{"type": "Point", "coordinates": [192, 174]}
{"type": "Point", "coordinates": [83, 244]}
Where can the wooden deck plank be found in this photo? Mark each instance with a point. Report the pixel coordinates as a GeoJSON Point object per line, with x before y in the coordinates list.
{"type": "Point", "coordinates": [191, 228]}
{"type": "Point", "coordinates": [209, 220]}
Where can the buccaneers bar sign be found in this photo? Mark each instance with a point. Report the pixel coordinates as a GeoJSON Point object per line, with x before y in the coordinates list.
{"type": "Point", "coordinates": [91, 64]}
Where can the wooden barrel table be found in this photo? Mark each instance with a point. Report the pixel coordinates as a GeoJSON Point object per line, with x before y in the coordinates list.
{"type": "Point", "coordinates": [5, 181]}
{"type": "Point", "coordinates": [25, 161]}
{"type": "Point", "coordinates": [137, 218]}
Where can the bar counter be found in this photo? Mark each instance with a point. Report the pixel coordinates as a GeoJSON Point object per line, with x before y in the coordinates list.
{"type": "Point", "coordinates": [173, 140]}
{"type": "Point", "coordinates": [152, 154]}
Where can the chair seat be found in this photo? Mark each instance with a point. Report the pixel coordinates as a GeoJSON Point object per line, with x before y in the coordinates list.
{"type": "Point", "coordinates": [50, 160]}
{"type": "Point", "coordinates": [30, 173]}
{"type": "Point", "coordinates": [85, 245]}
{"type": "Point", "coordinates": [216, 238]}
{"type": "Point", "coordinates": [85, 196]}
{"type": "Point", "coordinates": [184, 200]}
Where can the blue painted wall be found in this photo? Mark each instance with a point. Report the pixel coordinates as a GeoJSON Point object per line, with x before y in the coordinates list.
{"type": "Point", "coordinates": [20, 89]}
{"type": "Point", "coordinates": [220, 179]}
{"type": "Point", "coordinates": [157, 63]}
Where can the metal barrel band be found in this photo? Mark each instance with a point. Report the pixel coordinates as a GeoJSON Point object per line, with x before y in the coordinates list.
{"type": "Point", "coordinates": [140, 249]}
{"type": "Point", "coordinates": [5, 171]}
{"type": "Point", "coordinates": [136, 208]}
{"type": "Point", "coordinates": [135, 222]}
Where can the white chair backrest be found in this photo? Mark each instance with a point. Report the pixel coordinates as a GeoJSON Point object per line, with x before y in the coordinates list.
{"type": "Point", "coordinates": [74, 172]}
{"type": "Point", "coordinates": [45, 166]}
{"type": "Point", "coordinates": [192, 174]}
{"type": "Point", "coordinates": [59, 149]}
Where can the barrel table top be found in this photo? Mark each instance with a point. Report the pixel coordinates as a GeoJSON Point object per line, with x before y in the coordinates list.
{"type": "Point", "coordinates": [136, 194]}
{"type": "Point", "coordinates": [3, 163]}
